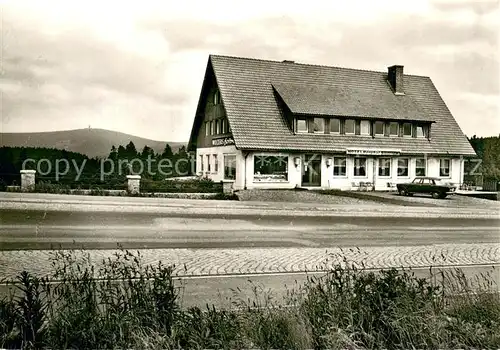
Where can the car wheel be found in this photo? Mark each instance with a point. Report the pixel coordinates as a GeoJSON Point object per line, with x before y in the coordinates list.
{"type": "Point", "coordinates": [436, 195]}
{"type": "Point", "coordinates": [403, 193]}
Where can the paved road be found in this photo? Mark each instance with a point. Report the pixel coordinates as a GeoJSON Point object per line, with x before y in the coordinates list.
{"type": "Point", "coordinates": [35, 229]}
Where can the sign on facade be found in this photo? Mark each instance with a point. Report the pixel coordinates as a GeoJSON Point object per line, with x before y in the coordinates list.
{"type": "Point", "coordinates": [223, 141]}
{"type": "Point", "coordinates": [373, 152]}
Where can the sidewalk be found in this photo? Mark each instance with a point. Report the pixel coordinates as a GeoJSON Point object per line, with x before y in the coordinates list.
{"type": "Point", "coordinates": [206, 262]}
{"type": "Point", "coordinates": [33, 201]}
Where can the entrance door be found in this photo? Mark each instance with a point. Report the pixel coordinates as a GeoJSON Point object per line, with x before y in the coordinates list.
{"type": "Point", "coordinates": [311, 171]}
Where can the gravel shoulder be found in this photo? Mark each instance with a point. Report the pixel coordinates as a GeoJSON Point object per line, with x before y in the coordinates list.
{"type": "Point", "coordinates": [300, 196]}
{"type": "Point", "coordinates": [454, 201]}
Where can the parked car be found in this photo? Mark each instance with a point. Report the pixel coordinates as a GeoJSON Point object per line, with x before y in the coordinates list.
{"type": "Point", "coordinates": [436, 187]}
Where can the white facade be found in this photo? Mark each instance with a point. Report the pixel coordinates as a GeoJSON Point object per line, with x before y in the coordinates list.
{"type": "Point", "coordinates": [294, 165]}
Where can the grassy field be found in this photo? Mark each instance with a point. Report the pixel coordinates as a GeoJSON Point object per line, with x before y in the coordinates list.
{"type": "Point", "coordinates": [347, 308]}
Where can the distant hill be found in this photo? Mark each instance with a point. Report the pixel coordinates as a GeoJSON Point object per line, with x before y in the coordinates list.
{"type": "Point", "coordinates": [92, 142]}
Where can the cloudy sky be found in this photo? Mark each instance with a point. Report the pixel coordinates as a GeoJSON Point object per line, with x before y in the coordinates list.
{"type": "Point", "coordinates": [137, 66]}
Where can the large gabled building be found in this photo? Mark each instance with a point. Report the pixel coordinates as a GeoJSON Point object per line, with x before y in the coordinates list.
{"type": "Point", "coordinates": [271, 124]}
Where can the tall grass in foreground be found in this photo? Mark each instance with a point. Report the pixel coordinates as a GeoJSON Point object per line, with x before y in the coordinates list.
{"type": "Point", "coordinates": [122, 303]}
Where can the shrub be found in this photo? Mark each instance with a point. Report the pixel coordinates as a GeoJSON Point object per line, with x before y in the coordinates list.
{"type": "Point", "coordinates": [121, 303]}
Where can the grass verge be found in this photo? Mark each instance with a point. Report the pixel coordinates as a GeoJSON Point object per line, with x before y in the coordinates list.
{"type": "Point", "coordinates": [122, 303]}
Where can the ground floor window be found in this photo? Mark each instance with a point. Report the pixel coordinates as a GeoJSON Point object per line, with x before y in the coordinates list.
{"type": "Point", "coordinates": [359, 166]}
{"type": "Point", "coordinates": [201, 163]}
{"type": "Point", "coordinates": [420, 167]}
{"type": "Point", "coordinates": [403, 167]}
{"type": "Point", "coordinates": [270, 168]}
{"type": "Point", "coordinates": [216, 164]}
{"type": "Point", "coordinates": [209, 168]}
{"type": "Point", "coordinates": [444, 167]}
{"type": "Point", "coordinates": [384, 167]}
{"type": "Point", "coordinates": [229, 166]}
{"type": "Point", "coordinates": [339, 166]}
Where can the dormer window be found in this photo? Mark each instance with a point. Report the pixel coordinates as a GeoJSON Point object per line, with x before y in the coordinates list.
{"type": "Point", "coordinates": [407, 129]}
{"type": "Point", "coordinates": [301, 126]}
{"type": "Point", "coordinates": [379, 128]}
{"type": "Point", "coordinates": [349, 127]}
{"type": "Point", "coordinates": [394, 129]}
{"type": "Point", "coordinates": [217, 97]}
{"type": "Point", "coordinates": [319, 125]}
{"type": "Point", "coordinates": [364, 127]}
{"type": "Point", "coordinates": [420, 131]}
{"type": "Point", "coordinates": [335, 126]}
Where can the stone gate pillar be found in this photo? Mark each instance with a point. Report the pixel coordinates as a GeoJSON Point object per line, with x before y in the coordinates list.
{"type": "Point", "coordinates": [28, 180]}
{"type": "Point", "coordinates": [134, 182]}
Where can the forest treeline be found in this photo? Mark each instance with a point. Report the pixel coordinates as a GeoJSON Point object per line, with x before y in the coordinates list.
{"type": "Point", "coordinates": [71, 168]}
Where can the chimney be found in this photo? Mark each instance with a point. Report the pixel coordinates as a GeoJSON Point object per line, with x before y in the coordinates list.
{"type": "Point", "coordinates": [395, 78]}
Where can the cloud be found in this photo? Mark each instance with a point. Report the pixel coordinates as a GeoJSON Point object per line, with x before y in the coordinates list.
{"type": "Point", "coordinates": [140, 69]}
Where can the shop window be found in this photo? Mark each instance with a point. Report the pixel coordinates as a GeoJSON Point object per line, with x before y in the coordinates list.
{"type": "Point", "coordinates": [379, 128]}
{"type": "Point", "coordinates": [201, 164]}
{"type": "Point", "coordinates": [216, 164]}
{"type": "Point", "coordinates": [339, 166]}
{"type": "Point", "coordinates": [270, 168]}
{"type": "Point", "coordinates": [394, 129]}
{"type": "Point", "coordinates": [319, 125]}
{"type": "Point", "coordinates": [359, 166]}
{"type": "Point", "coordinates": [384, 167]}
{"type": "Point", "coordinates": [444, 167]}
{"type": "Point", "coordinates": [403, 167]}
{"type": "Point", "coordinates": [335, 126]}
{"type": "Point", "coordinates": [407, 129]}
{"type": "Point", "coordinates": [301, 125]}
{"type": "Point", "coordinates": [420, 167]}
{"type": "Point", "coordinates": [349, 126]}
{"type": "Point", "coordinates": [364, 127]}
{"type": "Point", "coordinates": [229, 166]}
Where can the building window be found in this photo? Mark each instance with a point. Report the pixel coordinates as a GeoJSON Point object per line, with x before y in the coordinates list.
{"type": "Point", "coordinates": [364, 127]}
{"type": "Point", "coordinates": [403, 167]}
{"type": "Point", "coordinates": [217, 97]}
{"type": "Point", "coordinates": [379, 128]}
{"type": "Point", "coordinates": [359, 166]}
{"type": "Point", "coordinates": [339, 166]}
{"type": "Point", "coordinates": [393, 129]}
{"type": "Point", "coordinates": [319, 125]}
{"type": "Point", "coordinates": [228, 127]}
{"type": "Point", "coordinates": [216, 163]}
{"type": "Point", "coordinates": [207, 128]}
{"type": "Point", "coordinates": [444, 167]}
{"type": "Point", "coordinates": [384, 167]}
{"type": "Point", "coordinates": [217, 127]}
{"type": "Point", "coordinates": [302, 125]}
{"type": "Point", "coordinates": [420, 131]}
{"type": "Point", "coordinates": [335, 126]}
{"type": "Point", "coordinates": [229, 166]}
{"type": "Point", "coordinates": [420, 167]}
{"type": "Point", "coordinates": [209, 168]}
{"type": "Point", "coordinates": [212, 127]}
{"type": "Point", "coordinates": [201, 164]}
{"type": "Point", "coordinates": [350, 125]}
{"type": "Point", "coordinates": [407, 129]}
{"type": "Point", "coordinates": [270, 168]}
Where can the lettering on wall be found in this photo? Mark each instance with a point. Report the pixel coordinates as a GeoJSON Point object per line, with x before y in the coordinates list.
{"type": "Point", "coordinates": [372, 152]}
{"type": "Point", "coordinates": [223, 141]}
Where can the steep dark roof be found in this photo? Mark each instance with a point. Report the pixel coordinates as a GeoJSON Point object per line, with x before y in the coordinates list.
{"type": "Point", "coordinates": [246, 87]}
